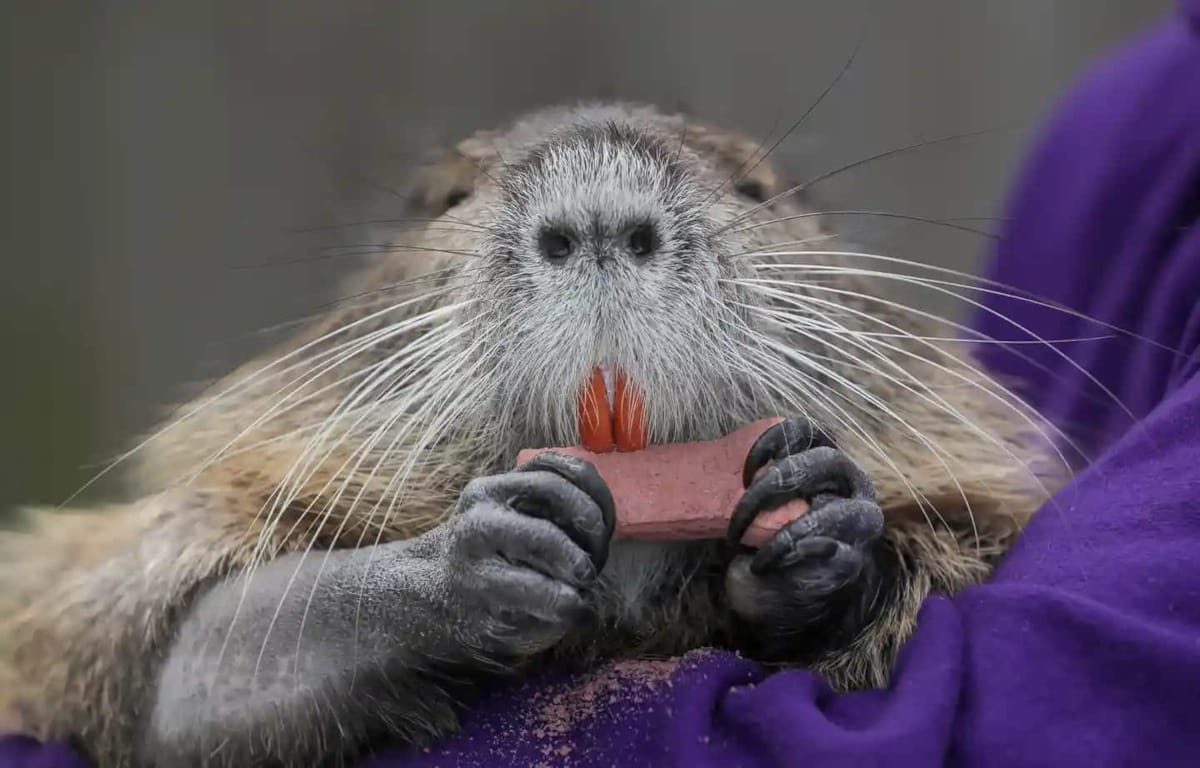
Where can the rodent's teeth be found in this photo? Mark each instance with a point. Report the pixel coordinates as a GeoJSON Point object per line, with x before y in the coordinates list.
{"type": "Point", "coordinates": [608, 371]}
{"type": "Point", "coordinates": [611, 412]}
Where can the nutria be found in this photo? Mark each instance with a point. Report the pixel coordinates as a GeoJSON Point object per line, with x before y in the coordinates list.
{"type": "Point", "coordinates": [333, 547]}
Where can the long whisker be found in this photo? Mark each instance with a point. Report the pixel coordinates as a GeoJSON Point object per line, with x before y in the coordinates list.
{"type": "Point", "coordinates": [401, 476]}
{"type": "Point", "coordinates": [805, 185]}
{"type": "Point", "coordinates": [272, 502]}
{"type": "Point", "coordinates": [947, 223]}
{"type": "Point", "coordinates": [961, 340]}
{"type": "Point", "coordinates": [829, 373]}
{"type": "Point", "coordinates": [775, 369]}
{"type": "Point", "coordinates": [1015, 403]}
{"type": "Point", "coordinates": [241, 384]}
{"type": "Point", "coordinates": [362, 250]}
{"type": "Point", "coordinates": [405, 360]}
{"type": "Point", "coordinates": [396, 362]}
{"type": "Point", "coordinates": [834, 270]}
{"type": "Point", "coordinates": [398, 220]}
{"type": "Point", "coordinates": [175, 415]}
{"type": "Point", "coordinates": [919, 388]}
{"type": "Point", "coordinates": [356, 347]}
{"type": "Point", "coordinates": [936, 285]}
{"type": "Point", "coordinates": [415, 355]}
{"type": "Point", "coordinates": [434, 340]}
{"type": "Point", "coordinates": [862, 33]}
{"type": "Point", "coordinates": [787, 373]}
{"type": "Point", "coordinates": [260, 548]}
{"type": "Point", "coordinates": [433, 276]}
{"type": "Point", "coordinates": [998, 288]}
{"type": "Point", "coordinates": [1010, 401]}
{"type": "Point", "coordinates": [363, 452]}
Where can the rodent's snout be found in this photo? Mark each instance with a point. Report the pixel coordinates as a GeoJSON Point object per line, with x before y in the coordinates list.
{"type": "Point", "coordinates": [616, 195]}
{"type": "Point", "coordinates": [638, 242]}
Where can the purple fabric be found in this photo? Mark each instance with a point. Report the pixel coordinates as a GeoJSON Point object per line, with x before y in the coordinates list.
{"type": "Point", "coordinates": [25, 752]}
{"type": "Point", "coordinates": [1102, 223]}
{"type": "Point", "coordinates": [1084, 649]}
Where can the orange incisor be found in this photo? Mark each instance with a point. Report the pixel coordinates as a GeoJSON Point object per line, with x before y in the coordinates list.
{"type": "Point", "coordinates": [605, 426]}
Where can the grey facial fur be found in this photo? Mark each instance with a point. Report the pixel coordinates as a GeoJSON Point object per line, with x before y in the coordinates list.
{"type": "Point", "coordinates": [664, 317]}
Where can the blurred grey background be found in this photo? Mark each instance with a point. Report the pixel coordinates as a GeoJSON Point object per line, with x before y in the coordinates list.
{"type": "Point", "coordinates": [154, 150]}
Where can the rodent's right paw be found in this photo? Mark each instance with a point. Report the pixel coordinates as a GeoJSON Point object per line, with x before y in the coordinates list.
{"type": "Point", "coordinates": [526, 546]}
{"type": "Point", "coordinates": [820, 580]}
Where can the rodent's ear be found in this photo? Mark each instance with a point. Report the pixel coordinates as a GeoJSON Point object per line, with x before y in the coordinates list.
{"type": "Point", "coordinates": [441, 185]}
{"type": "Point", "coordinates": [450, 180]}
{"type": "Point", "coordinates": [741, 159]}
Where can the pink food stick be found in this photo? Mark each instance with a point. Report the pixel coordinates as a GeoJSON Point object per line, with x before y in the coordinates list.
{"type": "Point", "coordinates": [684, 490]}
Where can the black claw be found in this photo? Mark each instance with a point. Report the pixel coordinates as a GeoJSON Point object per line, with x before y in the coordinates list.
{"type": "Point", "coordinates": [584, 476]}
{"type": "Point", "coordinates": [783, 439]}
{"type": "Point", "coordinates": [816, 472]}
{"type": "Point", "coordinates": [547, 496]}
{"type": "Point", "coordinates": [783, 550]}
{"type": "Point", "coordinates": [580, 472]}
{"type": "Point", "coordinates": [844, 524]}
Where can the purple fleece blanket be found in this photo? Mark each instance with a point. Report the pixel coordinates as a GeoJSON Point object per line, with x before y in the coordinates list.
{"type": "Point", "coordinates": [1085, 647]}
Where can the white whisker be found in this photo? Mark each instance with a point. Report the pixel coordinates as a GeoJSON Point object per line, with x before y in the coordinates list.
{"type": "Point", "coordinates": [238, 385]}
{"type": "Point", "coordinates": [927, 315]}
{"type": "Point", "coordinates": [979, 382]}
{"type": "Point", "coordinates": [777, 370]}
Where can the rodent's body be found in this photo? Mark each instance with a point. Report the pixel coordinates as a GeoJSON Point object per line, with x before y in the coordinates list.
{"type": "Point", "coordinates": [497, 344]}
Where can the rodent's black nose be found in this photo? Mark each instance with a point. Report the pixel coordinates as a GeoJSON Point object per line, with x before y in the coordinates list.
{"type": "Point", "coordinates": [643, 240]}
{"type": "Point", "coordinates": [555, 245]}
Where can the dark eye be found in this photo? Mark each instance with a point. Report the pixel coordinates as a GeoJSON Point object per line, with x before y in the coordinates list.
{"type": "Point", "coordinates": [555, 245]}
{"type": "Point", "coordinates": [643, 240]}
{"type": "Point", "coordinates": [455, 196]}
{"type": "Point", "coordinates": [753, 190]}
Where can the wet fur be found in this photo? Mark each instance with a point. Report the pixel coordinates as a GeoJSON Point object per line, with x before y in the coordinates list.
{"type": "Point", "coordinates": [96, 594]}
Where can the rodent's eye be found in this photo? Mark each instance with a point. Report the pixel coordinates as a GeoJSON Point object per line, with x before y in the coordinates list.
{"type": "Point", "coordinates": [643, 240]}
{"type": "Point", "coordinates": [555, 245]}
{"type": "Point", "coordinates": [455, 196]}
{"type": "Point", "coordinates": [753, 190]}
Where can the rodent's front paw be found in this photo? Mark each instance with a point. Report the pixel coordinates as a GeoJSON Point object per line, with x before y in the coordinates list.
{"type": "Point", "coordinates": [818, 581]}
{"type": "Point", "coordinates": [526, 546]}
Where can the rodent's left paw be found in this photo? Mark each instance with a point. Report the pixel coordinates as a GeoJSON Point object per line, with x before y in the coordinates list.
{"type": "Point", "coordinates": [524, 549]}
{"type": "Point", "coordinates": [817, 581]}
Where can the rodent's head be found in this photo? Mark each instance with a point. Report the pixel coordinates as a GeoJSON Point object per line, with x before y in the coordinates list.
{"type": "Point", "coordinates": [610, 237]}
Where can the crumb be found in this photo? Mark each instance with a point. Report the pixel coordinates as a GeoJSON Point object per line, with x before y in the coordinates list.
{"type": "Point", "coordinates": [553, 714]}
{"type": "Point", "coordinates": [637, 679]}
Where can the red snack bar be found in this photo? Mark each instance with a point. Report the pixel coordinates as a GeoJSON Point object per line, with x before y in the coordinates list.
{"type": "Point", "coordinates": [682, 491]}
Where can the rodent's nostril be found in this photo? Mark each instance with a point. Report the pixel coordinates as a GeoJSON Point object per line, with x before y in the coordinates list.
{"type": "Point", "coordinates": [643, 240]}
{"type": "Point", "coordinates": [555, 245]}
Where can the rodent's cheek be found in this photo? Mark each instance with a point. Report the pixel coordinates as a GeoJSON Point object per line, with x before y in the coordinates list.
{"type": "Point", "coordinates": [696, 268]}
